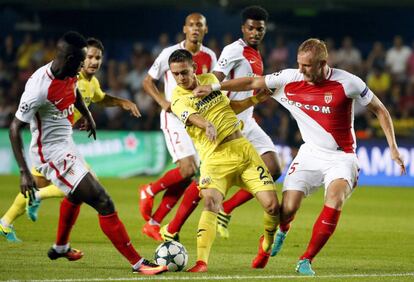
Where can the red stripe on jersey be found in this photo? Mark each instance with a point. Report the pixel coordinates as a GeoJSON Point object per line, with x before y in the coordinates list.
{"type": "Point", "coordinates": [328, 105]}
{"type": "Point", "coordinates": [255, 61]}
{"type": "Point", "coordinates": [61, 93]}
{"type": "Point", "coordinates": [59, 176]}
{"type": "Point", "coordinates": [39, 138]}
{"type": "Point", "coordinates": [203, 61]}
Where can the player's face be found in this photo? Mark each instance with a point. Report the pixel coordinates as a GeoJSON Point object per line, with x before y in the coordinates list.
{"type": "Point", "coordinates": [184, 74]}
{"type": "Point", "coordinates": [74, 62]}
{"type": "Point", "coordinates": [311, 68]}
{"type": "Point", "coordinates": [253, 32]}
{"type": "Point", "coordinates": [195, 28]}
{"type": "Point", "coordinates": [93, 60]}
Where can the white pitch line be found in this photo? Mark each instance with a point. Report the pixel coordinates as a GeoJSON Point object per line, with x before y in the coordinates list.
{"type": "Point", "coordinates": [204, 277]}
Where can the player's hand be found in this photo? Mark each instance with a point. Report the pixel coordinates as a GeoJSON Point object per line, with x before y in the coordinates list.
{"type": "Point", "coordinates": [166, 106]}
{"type": "Point", "coordinates": [263, 94]}
{"type": "Point", "coordinates": [132, 108]}
{"type": "Point", "coordinates": [211, 132]}
{"type": "Point", "coordinates": [396, 156]}
{"type": "Point", "coordinates": [90, 126]}
{"type": "Point", "coordinates": [28, 186]}
{"type": "Point", "coordinates": [202, 90]}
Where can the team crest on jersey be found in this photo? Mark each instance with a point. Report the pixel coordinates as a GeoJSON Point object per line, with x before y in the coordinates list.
{"type": "Point", "coordinates": [223, 62]}
{"type": "Point", "coordinates": [328, 97]}
{"type": "Point", "coordinates": [24, 107]}
{"type": "Point", "coordinates": [184, 116]}
{"type": "Point", "coordinates": [205, 180]}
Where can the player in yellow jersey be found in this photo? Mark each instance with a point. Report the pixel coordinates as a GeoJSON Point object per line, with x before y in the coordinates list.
{"type": "Point", "coordinates": [91, 91]}
{"type": "Point", "coordinates": [227, 158]}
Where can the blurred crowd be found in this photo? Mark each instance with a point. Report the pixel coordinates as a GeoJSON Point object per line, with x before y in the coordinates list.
{"type": "Point", "coordinates": [388, 71]}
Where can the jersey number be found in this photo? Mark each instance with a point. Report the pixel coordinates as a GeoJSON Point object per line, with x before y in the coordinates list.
{"type": "Point", "coordinates": [292, 168]}
{"type": "Point", "coordinates": [262, 172]}
{"type": "Point", "coordinates": [177, 141]}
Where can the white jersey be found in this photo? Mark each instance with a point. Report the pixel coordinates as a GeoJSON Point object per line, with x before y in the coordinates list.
{"type": "Point", "coordinates": [48, 105]}
{"type": "Point", "coordinates": [324, 112]}
{"type": "Point", "coordinates": [205, 60]}
{"type": "Point", "coordinates": [240, 60]}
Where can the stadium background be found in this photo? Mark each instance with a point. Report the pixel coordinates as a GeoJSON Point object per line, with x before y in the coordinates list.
{"type": "Point", "coordinates": [374, 241]}
{"type": "Point", "coordinates": [134, 32]}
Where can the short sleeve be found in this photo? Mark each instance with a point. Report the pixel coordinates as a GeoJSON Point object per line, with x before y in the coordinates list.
{"type": "Point", "coordinates": [279, 79]}
{"type": "Point", "coordinates": [229, 58]}
{"type": "Point", "coordinates": [181, 107]}
{"type": "Point", "coordinates": [160, 65]}
{"type": "Point", "coordinates": [358, 90]}
{"type": "Point", "coordinates": [30, 103]}
{"type": "Point", "coordinates": [98, 95]}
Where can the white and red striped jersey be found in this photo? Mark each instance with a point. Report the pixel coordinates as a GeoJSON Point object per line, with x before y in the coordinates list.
{"type": "Point", "coordinates": [48, 105]}
{"type": "Point", "coordinates": [324, 111]}
{"type": "Point", "coordinates": [240, 60]}
{"type": "Point", "coordinates": [205, 60]}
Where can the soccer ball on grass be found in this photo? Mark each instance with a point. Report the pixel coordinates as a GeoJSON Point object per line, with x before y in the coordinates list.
{"type": "Point", "coordinates": [172, 254]}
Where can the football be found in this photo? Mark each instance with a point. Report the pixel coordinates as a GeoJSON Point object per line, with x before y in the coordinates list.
{"type": "Point", "coordinates": [172, 254]}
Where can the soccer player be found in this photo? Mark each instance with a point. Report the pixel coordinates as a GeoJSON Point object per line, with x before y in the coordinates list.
{"type": "Point", "coordinates": [91, 92]}
{"type": "Point", "coordinates": [227, 158]}
{"type": "Point", "coordinates": [178, 142]}
{"type": "Point", "coordinates": [321, 100]}
{"type": "Point", "coordinates": [48, 104]}
{"type": "Point", "coordinates": [238, 59]}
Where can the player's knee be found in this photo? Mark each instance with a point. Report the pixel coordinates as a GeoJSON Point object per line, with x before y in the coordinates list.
{"type": "Point", "coordinates": [212, 204]}
{"type": "Point", "coordinates": [272, 207]}
{"type": "Point", "coordinates": [288, 211]}
{"type": "Point", "coordinates": [105, 205]}
{"type": "Point", "coordinates": [187, 171]}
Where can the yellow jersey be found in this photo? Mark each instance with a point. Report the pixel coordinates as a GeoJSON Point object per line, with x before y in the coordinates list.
{"type": "Point", "coordinates": [90, 90]}
{"type": "Point", "coordinates": [215, 108]}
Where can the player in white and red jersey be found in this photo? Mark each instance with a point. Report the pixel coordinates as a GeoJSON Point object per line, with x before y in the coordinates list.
{"type": "Point", "coordinates": [48, 104]}
{"type": "Point", "coordinates": [240, 59]}
{"type": "Point", "coordinates": [178, 142]}
{"type": "Point", "coordinates": [321, 100]}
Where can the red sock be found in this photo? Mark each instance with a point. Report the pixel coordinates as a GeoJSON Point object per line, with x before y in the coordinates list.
{"type": "Point", "coordinates": [170, 198]}
{"type": "Point", "coordinates": [67, 217]}
{"type": "Point", "coordinates": [236, 200]}
{"type": "Point", "coordinates": [171, 177]}
{"type": "Point", "coordinates": [324, 227]}
{"type": "Point", "coordinates": [188, 204]}
{"type": "Point", "coordinates": [114, 229]}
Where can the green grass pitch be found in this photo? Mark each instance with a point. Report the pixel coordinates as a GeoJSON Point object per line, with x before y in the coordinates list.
{"type": "Point", "coordinates": [374, 241]}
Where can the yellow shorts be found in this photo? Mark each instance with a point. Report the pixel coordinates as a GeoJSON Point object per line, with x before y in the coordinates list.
{"type": "Point", "coordinates": [235, 163]}
{"type": "Point", "coordinates": [34, 172]}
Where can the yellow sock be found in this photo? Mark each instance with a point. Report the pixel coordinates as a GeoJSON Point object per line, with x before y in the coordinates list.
{"type": "Point", "coordinates": [206, 234]}
{"type": "Point", "coordinates": [16, 209]}
{"type": "Point", "coordinates": [50, 191]}
{"type": "Point", "coordinates": [270, 223]}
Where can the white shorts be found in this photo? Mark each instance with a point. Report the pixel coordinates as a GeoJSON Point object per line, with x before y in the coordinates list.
{"type": "Point", "coordinates": [313, 167]}
{"type": "Point", "coordinates": [259, 139]}
{"type": "Point", "coordinates": [178, 141]}
{"type": "Point", "coordinates": [65, 169]}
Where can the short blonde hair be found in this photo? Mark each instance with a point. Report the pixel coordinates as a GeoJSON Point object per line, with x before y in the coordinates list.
{"type": "Point", "coordinates": [317, 47]}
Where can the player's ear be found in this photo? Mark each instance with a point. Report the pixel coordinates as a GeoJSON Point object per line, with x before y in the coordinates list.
{"type": "Point", "coordinates": [206, 31]}
{"type": "Point", "coordinates": [194, 66]}
{"type": "Point", "coordinates": [323, 63]}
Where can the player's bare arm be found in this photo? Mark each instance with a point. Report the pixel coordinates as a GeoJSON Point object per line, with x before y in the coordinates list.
{"type": "Point", "coordinates": [239, 84]}
{"type": "Point", "coordinates": [27, 183]}
{"type": "Point", "coordinates": [199, 121]}
{"type": "Point", "coordinates": [90, 125]}
{"type": "Point", "coordinates": [125, 104]}
{"type": "Point", "coordinates": [384, 118]}
{"type": "Point", "coordinates": [151, 89]}
{"type": "Point", "coordinates": [220, 76]}
{"type": "Point", "coordinates": [242, 105]}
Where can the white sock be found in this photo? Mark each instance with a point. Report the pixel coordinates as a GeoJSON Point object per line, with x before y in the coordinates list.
{"type": "Point", "coordinates": [138, 264]}
{"type": "Point", "coordinates": [61, 249]}
{"type": "Point", "coordinates": [3, 223]}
